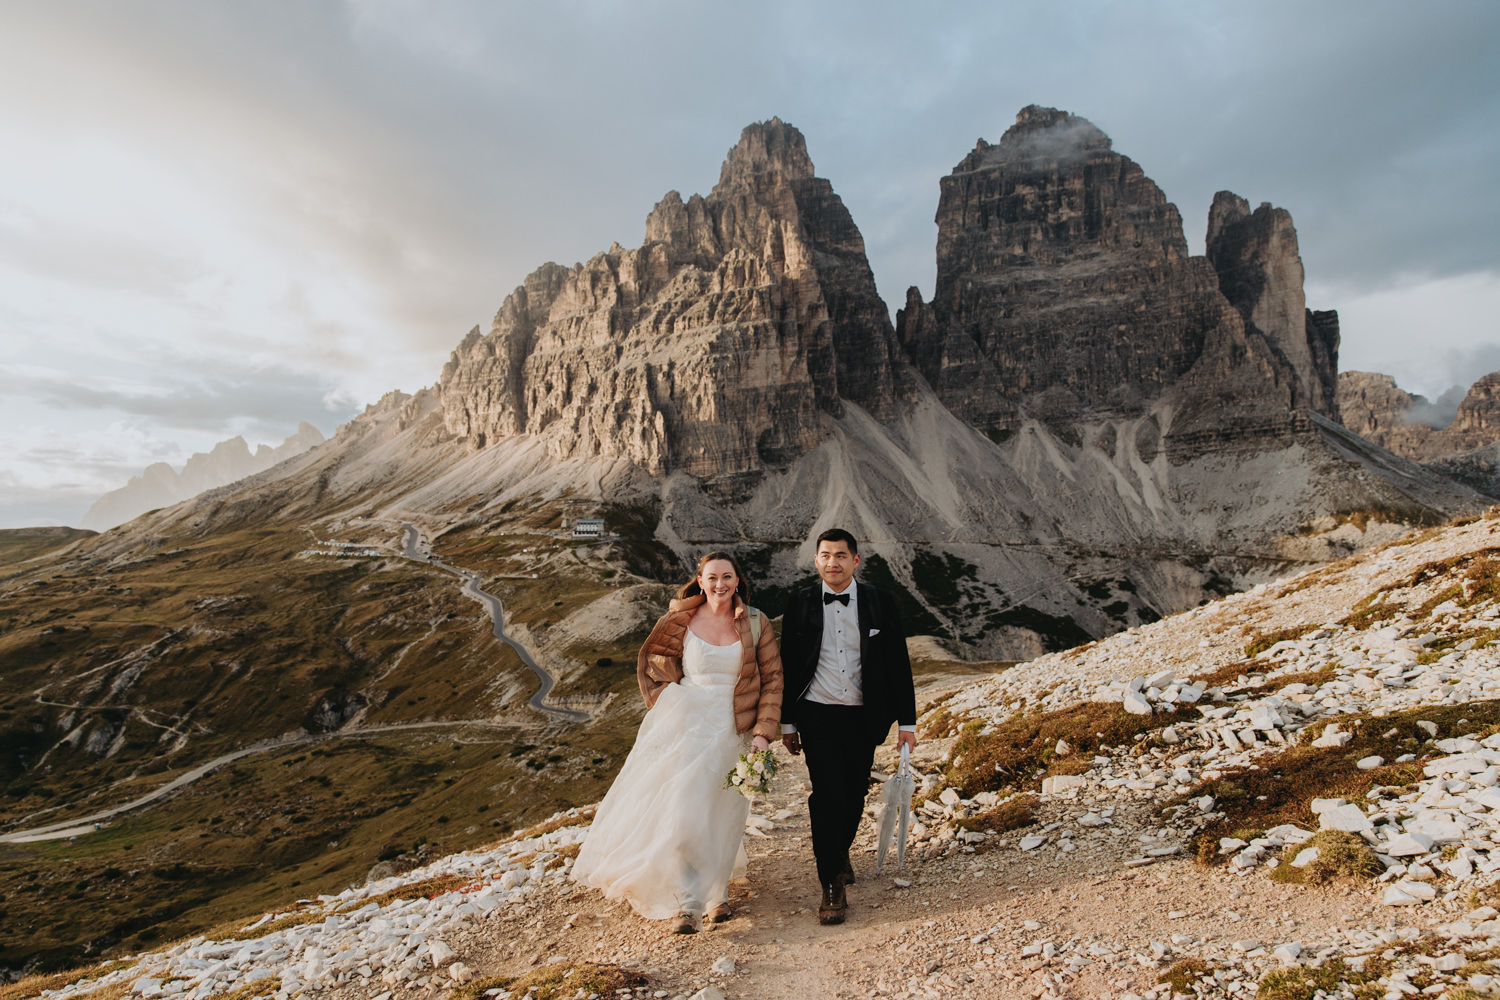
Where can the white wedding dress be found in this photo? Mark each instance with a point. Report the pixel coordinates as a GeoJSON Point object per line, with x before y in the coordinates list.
{"type": "Point", "coordinates": [667, 836]}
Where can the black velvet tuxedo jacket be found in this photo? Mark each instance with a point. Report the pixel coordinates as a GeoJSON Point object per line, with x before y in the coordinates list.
{"type": "Point", "coordinates": [885, 668]}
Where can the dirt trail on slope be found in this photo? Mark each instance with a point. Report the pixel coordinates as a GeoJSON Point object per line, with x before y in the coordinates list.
{"type": "Point", "coordinates": [927, 939]}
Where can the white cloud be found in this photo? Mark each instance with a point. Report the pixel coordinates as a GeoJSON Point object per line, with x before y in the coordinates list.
{"type": "Point", "coordinates": [1430, 334]}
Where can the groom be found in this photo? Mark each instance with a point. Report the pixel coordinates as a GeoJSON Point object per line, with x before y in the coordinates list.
{"type": "Point", "coordinates": [848, 677]}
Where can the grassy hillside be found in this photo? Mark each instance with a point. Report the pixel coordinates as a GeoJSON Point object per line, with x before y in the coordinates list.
{"type": "Point", "coordinates": [20, 544]}
{"type": "Point", "coordinates": [125, 665]}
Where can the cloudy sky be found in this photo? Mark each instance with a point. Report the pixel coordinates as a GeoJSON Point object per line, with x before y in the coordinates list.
{"type": "Point", "coordinates": [222, 218]}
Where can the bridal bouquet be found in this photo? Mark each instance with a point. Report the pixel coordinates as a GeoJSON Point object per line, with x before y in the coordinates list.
{"type": "Point", "coordinates": [752, 775]}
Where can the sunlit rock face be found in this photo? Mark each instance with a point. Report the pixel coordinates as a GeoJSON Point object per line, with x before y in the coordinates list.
{"type": "Point", "coordinates": [1065, 292]}
{"type": "Point", "coordinates": [714, 348]}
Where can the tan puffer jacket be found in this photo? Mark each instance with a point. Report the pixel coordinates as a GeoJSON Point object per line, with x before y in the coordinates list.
{"type": "Point", "coordinates": [757, 693]}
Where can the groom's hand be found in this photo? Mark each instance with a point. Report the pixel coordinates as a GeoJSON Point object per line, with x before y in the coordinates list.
{"type": "Point", "coordinates": [792, 742]}
{"type": "Point", "coordinates": [910, 739]}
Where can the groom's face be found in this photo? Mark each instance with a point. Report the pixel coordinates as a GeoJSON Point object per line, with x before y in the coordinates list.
{"type": "Point", "coordinates": [836, 564]}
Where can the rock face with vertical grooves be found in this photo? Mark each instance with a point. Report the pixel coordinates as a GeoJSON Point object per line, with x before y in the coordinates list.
{"type": "Point", "coordinates": [716, 348]}
{"type": "Point", "coordinates": [1260, 272]}
{"type": "Point", "coordinates": [1065, 292]}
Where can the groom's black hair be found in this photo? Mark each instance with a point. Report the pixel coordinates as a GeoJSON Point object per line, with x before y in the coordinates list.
{"type": "Point", "coordinates": [839, 535]}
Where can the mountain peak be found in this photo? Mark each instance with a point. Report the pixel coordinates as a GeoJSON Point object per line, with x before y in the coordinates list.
{"type": "Point", "coordinates": [772, 150]}
{"type": "Point", "coordinates": [1040, 134]}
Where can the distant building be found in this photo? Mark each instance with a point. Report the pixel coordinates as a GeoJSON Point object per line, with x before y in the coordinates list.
{"type": "Point", "coordinates": [588, 527]}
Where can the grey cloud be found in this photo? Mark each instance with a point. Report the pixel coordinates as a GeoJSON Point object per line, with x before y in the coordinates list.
{"type": "Point", "coordinates": [1437, 413]}
{"type": "Point", "coordinates": [266, 404]}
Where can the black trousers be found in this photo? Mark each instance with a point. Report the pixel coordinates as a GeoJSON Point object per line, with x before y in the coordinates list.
{"type": "Point", "coordinates": [839, 758]}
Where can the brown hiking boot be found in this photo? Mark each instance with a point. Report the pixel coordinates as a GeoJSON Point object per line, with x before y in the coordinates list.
{"type": "Point", "coordinates": [835, 905]}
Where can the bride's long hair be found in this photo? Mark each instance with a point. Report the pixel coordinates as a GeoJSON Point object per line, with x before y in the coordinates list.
{"type": "Point", "coordinates": [741, 589]}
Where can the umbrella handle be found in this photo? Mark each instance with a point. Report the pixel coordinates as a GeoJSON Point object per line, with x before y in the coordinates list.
{"type": "Point", "coordinates": [905, 767]}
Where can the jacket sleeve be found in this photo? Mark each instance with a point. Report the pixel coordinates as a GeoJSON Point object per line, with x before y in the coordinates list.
{"type": "Point", "coordinates": [772, 683]}
{"type": "Point", "coordinates": [653, 669]}
{"type": "Point", "coordinates": [903, 689]}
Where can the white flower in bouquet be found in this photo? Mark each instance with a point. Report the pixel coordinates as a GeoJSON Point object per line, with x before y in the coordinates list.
{"type": "Point", "coordinates": [752, 775]}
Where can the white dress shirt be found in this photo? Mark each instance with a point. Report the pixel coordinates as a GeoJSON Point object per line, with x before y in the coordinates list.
{"type": "Point", "coordinates": [838, 679]}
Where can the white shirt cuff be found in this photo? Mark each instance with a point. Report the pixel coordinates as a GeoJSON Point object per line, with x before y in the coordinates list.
{"type": "Point", "coordinates": [787, 727]}
{"type": "Point", "coordinates": [907, 729]}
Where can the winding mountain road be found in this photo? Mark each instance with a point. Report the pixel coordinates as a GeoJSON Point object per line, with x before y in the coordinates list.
{"type": "Point", "coordinates": [86, 824]}
{"type": "Point", "coordinates": [415, 548]}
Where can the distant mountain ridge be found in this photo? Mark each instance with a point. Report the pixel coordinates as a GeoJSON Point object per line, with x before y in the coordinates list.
{"type": "Point", "coordinates": [1377, 408]}
{"type": "Point", "coordinates": [161, 486]}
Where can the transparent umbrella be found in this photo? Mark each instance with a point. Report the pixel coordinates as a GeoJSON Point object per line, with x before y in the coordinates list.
{"type": "Point", "coordinates": [895, 816]}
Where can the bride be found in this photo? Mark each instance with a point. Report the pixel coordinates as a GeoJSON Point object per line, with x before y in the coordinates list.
{"type": "Point", "coordinates": [667, 835]}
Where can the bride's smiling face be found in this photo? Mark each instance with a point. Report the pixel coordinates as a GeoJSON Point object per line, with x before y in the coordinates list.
{"type": "Point", "coordinates": [718, 579]}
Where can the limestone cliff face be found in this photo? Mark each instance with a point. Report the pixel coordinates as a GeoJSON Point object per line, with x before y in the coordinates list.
{"type": "Point", "coordinates": [713, 348]}
{"type": "Point", "coordinates": [1260, 272]}
{"type": "Point", "coordinates": [1065, 291]}
{"type": "Point", "coordinates": [1376, 408]}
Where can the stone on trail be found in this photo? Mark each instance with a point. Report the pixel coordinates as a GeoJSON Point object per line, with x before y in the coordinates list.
{"type": "Point", "coordinates": [1370, 763]}
{"type": "Point", "coordinates": [1347, 817]}
{"type": "Point", "coordinates": [1420, 890]}
{"type": "Point", "coordinates": [723, 966]}
{"type": "Point", "coordinates": [1409, 845]}
{"type": "Point", "coordinates": [460, 973]}
{"type": "Point", "coordinates": [1395, 896]}
{"type": "Point", "coordinates": [1032, 842]}
{"type": "Point", "coordinates": [440, 954]}
{"type": "Point", "coordinates": [1305, 857]}
{"type": "Point", "coordinates": [1289, 834]}
{"type": "Point", "coordinates": [1136, 703]}
{"type": "Point", "coordinates": [1287, 953]}
{"type": "Point", "coordinates": [707, 993]}
{"type": "Point", "coordinates": [1057, 784]}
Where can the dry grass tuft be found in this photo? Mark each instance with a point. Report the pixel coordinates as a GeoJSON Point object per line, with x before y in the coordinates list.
{"type": "Point", "coordinates": [1184, 974]}
{"type": "Point", "coordinates": [33, 986]}
{"type": "Point", "coordinates": [1011, 814]}
{"type": "Point", "coordinates": [1012, 754]}
{"type": "Point", "coordinates": [234, 930]}
{"type": "Point", "coordinates": [1340, 856]}
{"type": "Point", "coordinates": [259, 988]}
{"type": "Point", "coordinates": [557, 982]}
{"type": "Point", "coordinates": [1265, 640]}
{"type": "Point", "coordinates": [585, 815]}
{"type": "Point", "coordinates": [1301, 982]}
{"type": "Point", "coordinates": [1283, 785]}
{"type": "Point", "coordinates": [563, 854]}
{"type": "Point", "coordinates": [428, 888]}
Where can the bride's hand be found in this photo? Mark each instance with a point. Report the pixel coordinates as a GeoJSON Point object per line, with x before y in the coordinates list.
{"type": "Point", "coordinates": [760, 743]}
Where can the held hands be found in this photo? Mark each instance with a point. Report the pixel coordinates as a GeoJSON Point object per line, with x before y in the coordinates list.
{"type": "Point", "coordinates": [760, 743]}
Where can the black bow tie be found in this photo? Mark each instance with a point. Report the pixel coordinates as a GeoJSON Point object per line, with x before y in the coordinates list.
{"type": "Point", "coordinates": [830, 598]}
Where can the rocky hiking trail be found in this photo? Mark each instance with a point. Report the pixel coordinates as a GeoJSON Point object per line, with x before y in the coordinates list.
{"type": "Point", "coordinates": [1292, 792]}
